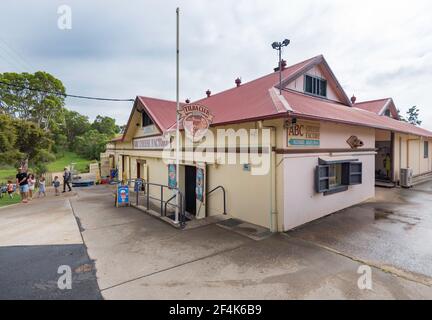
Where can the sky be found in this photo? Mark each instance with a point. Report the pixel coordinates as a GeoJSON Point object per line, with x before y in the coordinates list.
{"type": "Point", "coordinates": [121, 49]}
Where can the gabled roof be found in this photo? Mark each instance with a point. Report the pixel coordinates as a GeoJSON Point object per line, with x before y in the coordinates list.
{"type": "Point", "coordinates": [379, 106]}
{"type": "Point", "coordinates": [306, 106]}
{"type": "Point", "coordinates": [259, 99]}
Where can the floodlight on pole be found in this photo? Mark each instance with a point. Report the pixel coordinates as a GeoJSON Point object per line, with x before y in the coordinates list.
{"type": "Point", "coordinates": [278, 46]}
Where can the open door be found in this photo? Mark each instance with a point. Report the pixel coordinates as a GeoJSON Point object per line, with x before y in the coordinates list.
{"type": "Point", "coordinates": [190, 186]}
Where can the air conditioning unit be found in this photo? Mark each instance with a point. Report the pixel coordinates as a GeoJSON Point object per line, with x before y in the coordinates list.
{"type": "Point", "coordinates": [406, 175]}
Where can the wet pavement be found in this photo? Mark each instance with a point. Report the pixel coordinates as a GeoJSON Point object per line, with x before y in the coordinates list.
{"type": "Point", "coordinates": [123, 253]}
{"type": "Point", "coordinates": [140, 257]}
{"type": "Point", "coordinates": [393, 232]}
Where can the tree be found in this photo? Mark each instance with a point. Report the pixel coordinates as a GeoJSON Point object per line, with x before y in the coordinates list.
{"type": "Point", "coordinates": [76, 124]}
{"type": "Point", "coordinates": [106, 125]}
{"type": "Point", "coordinates": [413, 116]}
{"type": "Point", "coordinates": [91, 144]}
{"type": "Point", "coordinates": [38, 97]}
{"type": "Point", "coordinates": [401, 117]}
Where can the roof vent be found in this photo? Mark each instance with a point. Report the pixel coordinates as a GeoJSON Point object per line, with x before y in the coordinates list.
{"type": "Point", "coordinates": [238, 82]}
{"type": "Point", "coordinates": [353, 99]}
{"type": "Point", "coordinates": [208, 93]}
{"type": "Point", "coordinates": [187, 100]}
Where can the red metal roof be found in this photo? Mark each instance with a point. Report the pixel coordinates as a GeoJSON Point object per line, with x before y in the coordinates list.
{"type": "Point", "coordinates": [162, 112]}
{"type": "Point", "coordinates": [255, 100]}
{"type": "Point", "coordinates": [373, 106]}
{"type": "Point", "coordinates": [315, 108]}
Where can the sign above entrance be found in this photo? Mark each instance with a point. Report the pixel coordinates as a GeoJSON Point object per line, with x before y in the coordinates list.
{"type": "Point", "coordinates": [157, 142]}
{"type": "Point", "coordinates": [304, 134]}
{"type": "Point", "coordinates": [196, 120]}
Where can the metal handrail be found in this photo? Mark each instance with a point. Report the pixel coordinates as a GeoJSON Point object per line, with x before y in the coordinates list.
{"type": "Point", "coordinates": [163, 204]}
{"type": "Point", "coordinates": [224, 196]}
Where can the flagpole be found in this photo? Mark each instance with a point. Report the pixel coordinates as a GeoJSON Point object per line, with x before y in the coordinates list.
{"type": "Point", "coordinates": [177, 116]}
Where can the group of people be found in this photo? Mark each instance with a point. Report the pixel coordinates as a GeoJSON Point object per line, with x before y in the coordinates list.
{"type": "Point", "coordinates": [26, 182]}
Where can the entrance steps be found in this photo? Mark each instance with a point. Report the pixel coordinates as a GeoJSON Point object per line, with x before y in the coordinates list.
{"type": "Point", "coordinates": [422, 178]}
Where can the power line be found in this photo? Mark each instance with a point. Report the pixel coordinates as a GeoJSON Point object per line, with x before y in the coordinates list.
{"type": "Point", "coordinates": [62, 94]}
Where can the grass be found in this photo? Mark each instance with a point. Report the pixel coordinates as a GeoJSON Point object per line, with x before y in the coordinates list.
{"type": "Point", "coordinates": [68, 158]}
{"type": "Point", "coordinates": [58, 165]}
{"type": "Point", "coordinates": [5, 201]}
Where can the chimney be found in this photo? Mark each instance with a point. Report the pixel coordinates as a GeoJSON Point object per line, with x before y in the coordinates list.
{"type": "Point", "coordinates": [353, 99]}
{"type": "Point", "coordinates": [187, 101]}
{"type": "Point", "coordinates": [208, 93]}
{"type": "Point", "coordinates": [238, 82]}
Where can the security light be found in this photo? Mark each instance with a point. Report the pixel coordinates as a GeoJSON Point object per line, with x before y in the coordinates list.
{"type": "Point", "coordinates": [278, 46]}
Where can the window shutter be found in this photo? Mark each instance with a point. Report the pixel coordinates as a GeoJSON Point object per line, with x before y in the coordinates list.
{"type": "Point", "coordinates": [352, 173]}
{"type": "Point", "coordinates": [322, 182]}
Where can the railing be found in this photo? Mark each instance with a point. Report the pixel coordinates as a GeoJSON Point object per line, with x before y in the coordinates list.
{"type": "Point", "coordinates": [163, 204]}
{"type": "Point", "coordinates": [224, 196]}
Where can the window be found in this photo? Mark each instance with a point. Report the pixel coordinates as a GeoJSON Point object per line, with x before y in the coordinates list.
{"type": "Point", "coordinates": [336, 176]}
{"type": "Point", "coordinates": [426, 149]}
{"type": "Point", "coordinates": [146, 120]}
{"type": "Point", "coordinates": [387, 113]}
{"type": "Point", "coordinates": [315, 86]}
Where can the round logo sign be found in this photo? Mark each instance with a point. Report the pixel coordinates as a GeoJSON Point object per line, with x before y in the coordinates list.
{"type": "Point", "coordinates": [196, 120]}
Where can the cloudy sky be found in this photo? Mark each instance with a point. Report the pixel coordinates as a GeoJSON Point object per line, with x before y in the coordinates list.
{"type": "Point", "coordinates": [120, 49]}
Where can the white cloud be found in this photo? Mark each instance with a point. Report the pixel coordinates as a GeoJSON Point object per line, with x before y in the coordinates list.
{"type": "Point", "coordinates": [121, 49]}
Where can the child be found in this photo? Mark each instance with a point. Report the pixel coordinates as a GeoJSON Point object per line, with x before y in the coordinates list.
{"type": "Point", "coordinates": [31, 185]}
{"type": "Point", "coordinates": [56, 184]}
{"type": "Point", "coordinates": [10, 189]}
{"type": "Point", "coordinates": [42, 187]}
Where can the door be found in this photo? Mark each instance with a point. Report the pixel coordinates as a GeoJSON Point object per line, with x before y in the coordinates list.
{"type": "Point", "coordinates": [190, 184]}
{"type": "Point", "coordinates": [138, 170]}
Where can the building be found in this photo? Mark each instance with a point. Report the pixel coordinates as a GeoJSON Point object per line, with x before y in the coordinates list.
{"type": "Point", "coordinates": [321, 148]}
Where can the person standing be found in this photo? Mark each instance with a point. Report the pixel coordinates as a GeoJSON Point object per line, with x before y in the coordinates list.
{"type": "Point", "coordinates": [66, 180]}
{"type": "Point", "coordinates": [42, 187]}
{"type": "Point", "coordinates": [387, 165]}
{"type": "Point", "coordinates": [21, 181]}
{"type": "Point", "coordinates": [31, 185]}
{"type": "Point", "coordinates": [56, 184]}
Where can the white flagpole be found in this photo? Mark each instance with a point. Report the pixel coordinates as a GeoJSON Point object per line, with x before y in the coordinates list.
{"type": "Point", "coordinates": [177, 117]}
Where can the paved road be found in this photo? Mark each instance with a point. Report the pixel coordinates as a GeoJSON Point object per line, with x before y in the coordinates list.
{"type": "Point", "coordinates": [135, 256]}
{"type": "Point", "coordinates": [35, 240]}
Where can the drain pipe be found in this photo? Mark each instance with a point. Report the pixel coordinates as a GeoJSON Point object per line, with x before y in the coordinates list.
{"type": "Point", "coordinates": [273, 213]}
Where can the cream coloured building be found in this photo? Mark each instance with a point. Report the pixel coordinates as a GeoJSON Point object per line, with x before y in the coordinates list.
{"type": "Point", "coordinates": [292, 158]}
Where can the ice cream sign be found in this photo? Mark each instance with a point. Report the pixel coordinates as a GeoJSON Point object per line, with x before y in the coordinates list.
{"type": "Point", "coordinates": [304, 134]}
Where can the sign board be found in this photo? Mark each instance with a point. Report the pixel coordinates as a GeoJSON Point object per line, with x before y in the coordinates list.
{"type": "Point", "coordinates": [138, 185]}
{"type": "Point", "coordinates": [172, 176]}
{"type": "Point", "coordinates": [122, 195]}
{"type": "Point", "coordinates": [303, 134]}
{"type": "Point", "coordinates": [196, 120]}
{"type": "Point", "coordinates": [354, 142]}
{"type": "Point", "coordinates": [200, 184]}
{"type": "Point", "coordinates": [157, 142]}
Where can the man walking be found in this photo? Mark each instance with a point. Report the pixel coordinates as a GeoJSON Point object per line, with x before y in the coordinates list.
{"type": "Point", "coordinates": [21, 181]}
{"type": "Point", "coordinates": [66, 179]}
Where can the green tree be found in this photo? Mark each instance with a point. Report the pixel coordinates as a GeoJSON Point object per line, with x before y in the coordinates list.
{"type": "Point", "coordinates": [91, 144]}
{"type": "Point", "coordinates": [76, 124]}
{"type": "Point", "coordinates": [106, 125]}
{"type": "Point", "coordinates": [38, 97]}
{"type": "Point", "coordinates": [413, 116]}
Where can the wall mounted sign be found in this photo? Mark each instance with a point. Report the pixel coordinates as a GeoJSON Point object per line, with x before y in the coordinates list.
{"type": "Point", "coordinates": [304, 134]}
{"type": "Point", "coordinates": [196, 120]}
{"type": "Point", "coordinates": [200, 183]}
{"type": "Point", "coordinates": [354, 142]}
{"type": "Point", "coordinates": [172, 176]}
{"type": "Point", "coordinates": [157, 142]}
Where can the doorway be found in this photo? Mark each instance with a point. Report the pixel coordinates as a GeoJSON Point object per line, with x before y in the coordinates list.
{"type": "Point", "coordinates": [190, 184]}
{"type": "Point", "coordinates": [138, 170]}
